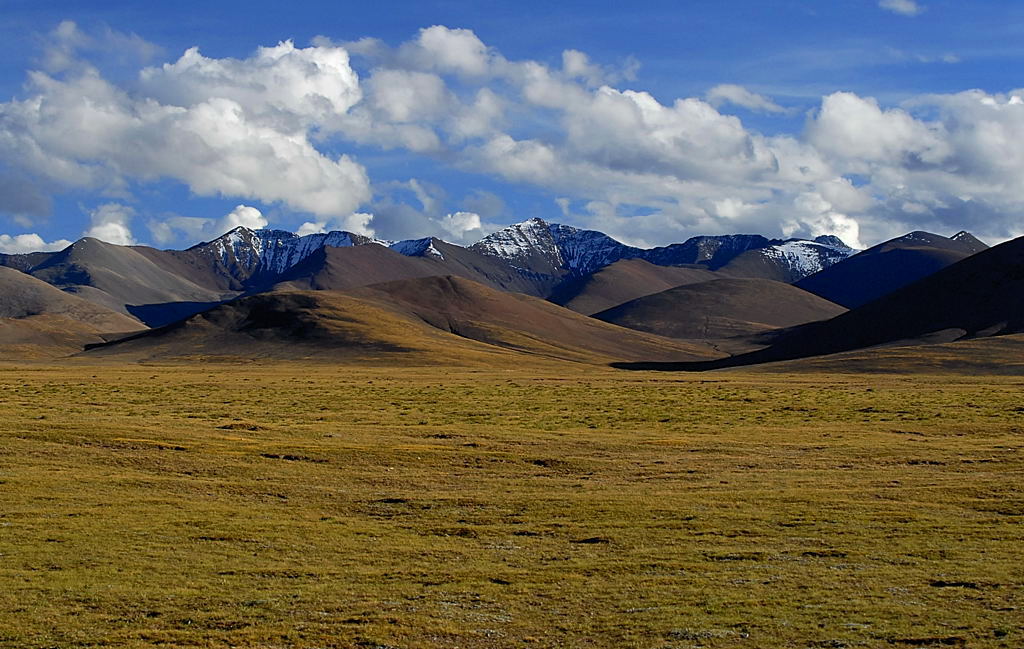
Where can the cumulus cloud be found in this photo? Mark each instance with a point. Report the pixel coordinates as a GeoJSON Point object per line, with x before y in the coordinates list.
{"type": "Point", "coordinates": [111, 223]}
{"type": "Point", "coordinates": [728, 93]}
{"type": "Point", "coordinates": [171, 227]}
{"type": "Point", "coordinates": [223, 127]}
{"type": "Point", "coordinates": [244, 216]}
{"type": "Point", "coordinates": [22, 243]}
{"type": "Point", "coordinates": [463, 225]}
{"type": "Point", "coordinates": [955, 169]}
{"type": "Point", "coordinates": [273, 128]}
{"type": "Point", "coordinates": [450, 50]}
{"type": "Point", "coordinates": [904, 7]}
{"type": "Point", "coordinates": [357, 223]}
{"type": "Point", "coordinates": [63, 47]}
{"type": "Point", "coordinates": [853, 127]}
{"type": "Point", "coordinates": [283, 86]}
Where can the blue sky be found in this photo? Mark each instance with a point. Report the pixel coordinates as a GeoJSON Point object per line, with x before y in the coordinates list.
{"type": "Point", "coordinates": [656, 122]}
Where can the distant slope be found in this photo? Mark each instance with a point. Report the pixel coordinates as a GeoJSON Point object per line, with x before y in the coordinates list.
{"type": "Point", "coordinates": [40, 321]}
{"type": "Point", "coordinates": [995, 355]}
{"type": "Point", "coordinates": [22, 296]}
{"type": "Point", "coordinates": [431, 319]}
{"type": "Point", "coordinates": [24, 261]}
{"type": "Point", "coordinates": [520, 322]}
{"type": "Point", "coordinates": [982, 295]}
{"type": "Point", "coordinates": [888, 266]}
{"type": "Point", "coordinates": [553, 251]}
{"type": "Point", "coordinates": [623, 281]}
{"type": "Point", "coordinates": [292, 325]}
{"type": "Point", "coordinates": [46, 336]}
{"type": "Point", "coordinates": [469, 263]}
{"type": "Point", "coordinates": [721, 308]}
{"type": "Point", "coordinates": [788, 261]}
{"type": "Point", "coordinates": [118, 277]}
{"type": "Point", "coordinates": [340, 269]}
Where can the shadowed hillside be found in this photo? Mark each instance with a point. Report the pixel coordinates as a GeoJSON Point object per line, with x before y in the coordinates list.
{"type": "Point", "coordinates": [439, 318]}
{"type": "Point", "coordinates": [624, 281]}
{"type": "Point", "coordinates": [983, 295]}
{"type": "Point", "coordinates": [888, 266]}
{"type": "Point", "coordinates": [721, 308]}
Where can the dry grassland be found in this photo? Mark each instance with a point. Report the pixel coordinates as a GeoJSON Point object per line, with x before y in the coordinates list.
{"type": "Point", "coordinates": [282, 505]}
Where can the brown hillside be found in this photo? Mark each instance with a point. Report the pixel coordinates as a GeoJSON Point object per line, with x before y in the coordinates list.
{"type": "Point", "coordinates": [624, 281]}
{"type": "Point", "coordinates": [518, 321]}
{"type": "Point", "coordinates": [340, 269]}
{"type": "Point", "coordinates": [980, 296]}
{"type": "Point", "coordinates": [22, 296]}
{"type": "Point", "coordinates": [422, 320]}
{"type": "Point", "coordinates": [721, 308]}
{"type": "Point", "coordinates": [127, 276]}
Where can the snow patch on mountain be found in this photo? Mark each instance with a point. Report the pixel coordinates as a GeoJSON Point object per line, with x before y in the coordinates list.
{"type": "Point", "coordinates": [802, 258]}
{"type": "Point", "coordinates": [522, 245]}
{"type": "Point", "coordinates": [281, 253]}
{"type": "Point", "coordinates": [552, 248]}
{"type": "Point", "coordinates": [585, 251]}
{"type": "Point", "coordinates": [416, 248]}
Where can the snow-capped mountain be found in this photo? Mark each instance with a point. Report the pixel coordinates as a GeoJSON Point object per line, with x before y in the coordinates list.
{"type": "Point", "coordinates": [415, 248]}
{"type": "Point", "coordinates": [248, 253]}
{"type": "Point", "coordinates": [554, 249]}
{"type": "Point", "coordinates": [711, 251]}
{"type": "Point", "coordinates": [585, 251]}
{"type": "Point", "coordinates": [249, 256]}
{"type": "Point", "coordinates": [791, 260]}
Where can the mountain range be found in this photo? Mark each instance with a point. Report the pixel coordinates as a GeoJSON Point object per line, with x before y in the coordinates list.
{"type": "Point", "coordinates": [545, 289]}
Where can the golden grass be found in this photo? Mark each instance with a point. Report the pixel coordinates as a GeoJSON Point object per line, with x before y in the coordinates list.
{"type": "Point", "coordinates": [283, 505]}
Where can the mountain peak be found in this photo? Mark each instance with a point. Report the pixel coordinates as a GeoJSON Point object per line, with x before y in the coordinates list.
{"type": "Point", "coordinates": [831, 240]}
{"type": "Point", "coordinates": [552, 248]}
{"type": "Point", "coordinates": [532, 221]}
{"type": "Point", "coordinates": [417, 247]}
{"type": "Point", "coordinates": [526, 245]}
{"type": "Point", "coordinates": [968, 240]}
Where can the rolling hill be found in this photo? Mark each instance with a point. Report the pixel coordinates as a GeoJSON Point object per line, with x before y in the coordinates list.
{"type": "Point", "coordinates": [623, 281]}
{"type": "Point", "coordinates": [120, 278]}
{"type": "Point", "coordinates": [40, 321]}
{"type": "Point", "coordinates": [721, 308]}
{"type": "Point", "coordinates": [882, 269]}
{"type": "Point", "coordinates": [442, 318]}
{"type": "Point", "coordinates": [982, 295]}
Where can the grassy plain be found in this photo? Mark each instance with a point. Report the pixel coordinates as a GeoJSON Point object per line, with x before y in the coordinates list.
{"type": "Point", "coordinates": [289, 505]}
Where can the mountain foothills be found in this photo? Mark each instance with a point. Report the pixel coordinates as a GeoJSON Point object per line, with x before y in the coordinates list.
{"type": "Point", "coordinates": [544, 289]}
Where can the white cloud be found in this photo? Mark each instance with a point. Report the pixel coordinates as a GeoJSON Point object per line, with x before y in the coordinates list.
{"type": "Point", "coordinates": [648, 169]}
{"type": "Point", "coordinates": [452, 50]}
{"type": "Point", "coordinates": [728, 93]}
{"type": "Point", "coordinates": [463, 225]}
{"type": "Point", "coordinates": [64, 46]}
{"type": "Point", "coordinates": [853, 127]}
{"type": "Point", "coordinates": [22, 243]}
{"type": "Point", "coordinates": [407, 96]}
{"type": "Point", "coordinates": [172, 227]}
{"type": "Point", "coordinates": [111, 223]}
{"type": "Point", "coordinates": [904, 7]}
{"type": "Point", "coordinates": [282, 86]}
{"type": "Point", "coordinates": [212, 146]}
{"type": "Point", "coordinates": [244, 216]}
{"type": "Point", "coordinates": [357, 223]}
{"type": "Point", "coordinates": [222, 126]}
{"type": "Point", "coordinates": [813, 215]}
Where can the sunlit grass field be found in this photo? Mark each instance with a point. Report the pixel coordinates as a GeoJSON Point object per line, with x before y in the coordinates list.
{"type": "Point", "coordinates": [289, 505]}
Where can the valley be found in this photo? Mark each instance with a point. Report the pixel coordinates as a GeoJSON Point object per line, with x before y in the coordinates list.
{"type": "Point", "coordinates": [550, 504]}
{"type": "Point", "coordinates": [329, 441]}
